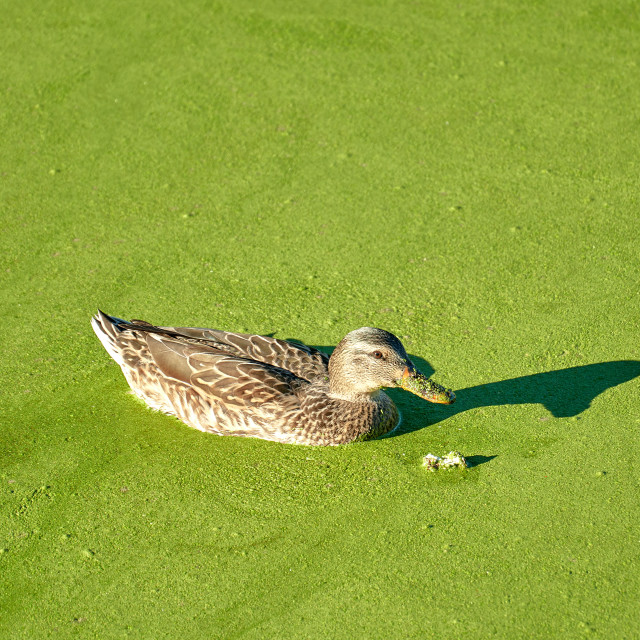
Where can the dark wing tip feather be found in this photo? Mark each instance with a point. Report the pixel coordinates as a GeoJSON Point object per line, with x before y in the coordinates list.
{"type": "Point", "coordinates": [106, 320]}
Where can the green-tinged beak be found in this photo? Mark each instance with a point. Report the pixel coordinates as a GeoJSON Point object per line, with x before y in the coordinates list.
{"type": "Point", "coordinates": [424, 387]}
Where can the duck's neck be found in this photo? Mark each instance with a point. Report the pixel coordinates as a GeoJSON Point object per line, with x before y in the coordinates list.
{"type": "Point", "coordinates": [346, 387]}
{"type": "Point", "coordinates": [341, 392]}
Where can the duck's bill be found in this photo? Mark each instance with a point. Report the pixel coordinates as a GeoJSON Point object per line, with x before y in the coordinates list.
{"type": "Point", "coordinates": [417, 383]}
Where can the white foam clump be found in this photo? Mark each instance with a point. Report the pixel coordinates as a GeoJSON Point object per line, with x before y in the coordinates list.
{"type": "Point", "coordinates": [454, 459]}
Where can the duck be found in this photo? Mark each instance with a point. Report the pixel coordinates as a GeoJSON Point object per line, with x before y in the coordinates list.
{"type": "Point", "coordinates": [262, 387]}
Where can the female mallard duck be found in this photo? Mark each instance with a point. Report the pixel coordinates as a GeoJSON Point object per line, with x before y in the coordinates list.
{"type": "Point", "coordinates": [249, 385]}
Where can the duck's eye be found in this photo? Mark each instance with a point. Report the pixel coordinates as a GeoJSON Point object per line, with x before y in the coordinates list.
{"type": "Point", "coordinates": [377, 355]}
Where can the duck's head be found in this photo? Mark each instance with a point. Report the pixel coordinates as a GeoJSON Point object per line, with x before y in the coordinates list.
{"type": "Point", "coordinates": [368, 359]}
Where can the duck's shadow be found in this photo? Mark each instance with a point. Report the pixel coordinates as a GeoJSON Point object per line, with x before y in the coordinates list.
{"type": "Point", "coordinates": [564, 392]}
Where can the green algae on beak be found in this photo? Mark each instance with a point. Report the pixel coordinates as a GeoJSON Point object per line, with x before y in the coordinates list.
{"type": "Point", "coordinates": [426, 388]}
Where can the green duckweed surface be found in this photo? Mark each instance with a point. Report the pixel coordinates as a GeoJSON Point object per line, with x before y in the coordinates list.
{"type": "Point", "coordinates": [463, 174]}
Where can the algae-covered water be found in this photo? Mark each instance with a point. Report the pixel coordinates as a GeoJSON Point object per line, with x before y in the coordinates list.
{"type": "Point", "coordinates": [464, 175]}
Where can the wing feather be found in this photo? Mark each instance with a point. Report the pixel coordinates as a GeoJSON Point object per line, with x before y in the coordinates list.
{"type": "Point", "coordinates": [305, 362]}
{"type": "Point", "coordinates": [227, 379]}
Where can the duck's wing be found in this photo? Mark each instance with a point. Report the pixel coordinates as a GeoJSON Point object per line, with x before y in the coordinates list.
{"type": "Point", "coordinates": [231, 382]}
{"type": "Point", "coordinates": [303, 361]}
{"type": "Point", "coordinates": [203, 385]}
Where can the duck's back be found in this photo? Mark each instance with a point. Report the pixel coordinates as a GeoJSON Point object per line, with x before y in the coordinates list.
{"type": "Point", "coordinates": [303, 361]}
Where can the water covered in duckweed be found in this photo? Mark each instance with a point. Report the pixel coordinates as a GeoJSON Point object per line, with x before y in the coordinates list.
{"type": "Point", "coordinates": [462, 175]}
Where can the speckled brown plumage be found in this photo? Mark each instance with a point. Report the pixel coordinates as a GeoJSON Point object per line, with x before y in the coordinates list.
{"type": "Point", "coordinates": [256, 386]}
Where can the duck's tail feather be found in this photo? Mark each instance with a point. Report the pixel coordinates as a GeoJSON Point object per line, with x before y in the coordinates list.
{"type": "Point", "coordinates": [107, 329]}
